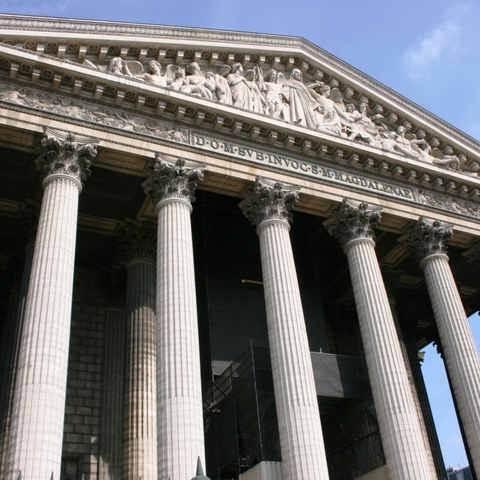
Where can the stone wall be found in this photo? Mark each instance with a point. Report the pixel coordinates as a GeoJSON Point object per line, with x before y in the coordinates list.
{"type": "Point", "coordinates": [84, 392]}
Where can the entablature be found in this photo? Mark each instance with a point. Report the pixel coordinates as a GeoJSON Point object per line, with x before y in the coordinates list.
{"type": "Point", "coordinates": [181, 119]}
{"type": "Point", "coordinates": [233, 162]}
{"type": "Point", "coordinates": [94, 75]}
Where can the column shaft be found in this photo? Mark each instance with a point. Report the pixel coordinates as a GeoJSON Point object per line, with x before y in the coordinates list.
{"type": "Point", "coordinates": [36, 443]}
{"type": "Point", "coordinates": [399, 426]}
{"type": "Point", "coordinates": [268, 206]}
{"type": "Point", "coordinates": [139, 456]}
{"type": "Point", "coordinates": [460, 353]}
{"type": "Point", "coordinates": [12, 351]}
{"type": "Point", "coordinates": [110, 458]}
{"type": "Point", "coordinates": [391, 278]}
{"type": "Point", "coordinates": [180, 407]}
{"type": "Point", "coordinates": [303, 451]}
{"type": "Point", "coordinates": [422, 396]}
{"type": "Point", "coordinates": [8, 365]}
{"type": "Point", "coordinates": [172, 184]}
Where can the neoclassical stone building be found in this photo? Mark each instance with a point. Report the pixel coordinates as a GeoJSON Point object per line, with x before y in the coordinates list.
{"type": "Point", "coordinates": [226, 250]}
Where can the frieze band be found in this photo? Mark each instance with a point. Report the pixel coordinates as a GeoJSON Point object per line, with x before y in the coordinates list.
{"type": "Point", "coordinates": [172, 132]}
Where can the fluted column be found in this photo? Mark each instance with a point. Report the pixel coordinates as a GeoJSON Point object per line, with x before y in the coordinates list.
{"type": "Point", "coordinates": [428, 240]}
{"type": "Point", "coordinates": [180, 408]}
{"type": "Point", "coordinates": [416, 359]}
{"type": "Point", "coordinates": [14, 334]}
{"type": "Point", "coordinates": [139, 446]}
{"type": "Point", "coordinates": [35, 447]}
{"type": "Point", "coordinates": [113, 282]}
{"type": "Point", "coordinates": [301, 439]}
{"type": "Point", "coordinates": [391, 278]}
{"type": "Point", "coordinates": [397, 416]}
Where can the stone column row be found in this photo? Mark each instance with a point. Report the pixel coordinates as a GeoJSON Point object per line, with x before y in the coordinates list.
{"type": "Point", "coordinates": [428, 241]}
{"type": "Point", "coordinates": [37, 420]}
{"type": "Point", "coordinates": [402, 438]}
{"type": "Point", "coordinates": [399, 423]}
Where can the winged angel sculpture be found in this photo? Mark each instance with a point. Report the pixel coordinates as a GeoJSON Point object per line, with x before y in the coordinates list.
{"type": "Point", "coordinates": [312, 105]}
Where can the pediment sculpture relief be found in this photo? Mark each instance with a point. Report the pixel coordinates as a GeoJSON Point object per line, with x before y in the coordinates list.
{"type": "Point", "coordinates": [313, 105]}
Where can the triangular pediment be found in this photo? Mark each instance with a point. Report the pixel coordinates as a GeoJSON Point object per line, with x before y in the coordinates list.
{"type": "Point", "coordinates": [317, 108]}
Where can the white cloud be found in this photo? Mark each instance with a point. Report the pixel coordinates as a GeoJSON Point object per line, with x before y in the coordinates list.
{"type": "Point", "coordinates": [437, 46]}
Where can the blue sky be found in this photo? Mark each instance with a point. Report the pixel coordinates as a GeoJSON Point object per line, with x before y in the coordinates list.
{"type": "Point", "coordinates": [428, 51]}
{"type": "Point", "coordinates": [441, 402]}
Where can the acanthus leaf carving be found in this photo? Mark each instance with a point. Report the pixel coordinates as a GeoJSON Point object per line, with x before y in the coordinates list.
{"type": "Point", "coordinates": [428, 237]}
{"type": "Point", "coordinates": [472, 255]}
{"type": "Point", "coordinates": [171, 178]}
{"type": "Point", "coordinates": [353, 220]}
{"type": "Point", "coordinates": [269, 200]}
{"type": "Point", "coordinates": [66, 154]}
{"type": "Point", "coordinates": [138, 240]}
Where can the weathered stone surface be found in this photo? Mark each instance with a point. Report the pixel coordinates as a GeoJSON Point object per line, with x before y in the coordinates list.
{"type": "Point", "coordinates": [428, 241]}
{"type": "Point", "coordinates": [245, 105]}
{"type": "Point", "coordinates": [398, 420]}
{"type": "Point", "coordinates": [301, 440]}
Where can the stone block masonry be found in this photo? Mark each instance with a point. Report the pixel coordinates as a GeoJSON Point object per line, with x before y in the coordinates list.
{"type": "Point", "coordinates": [81, 435]}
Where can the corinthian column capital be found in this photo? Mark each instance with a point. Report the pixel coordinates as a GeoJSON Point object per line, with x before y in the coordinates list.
{"type": "Point", "coordinates": [472, 255]}
{"type": "Point", "coordinates": [66, 154]}
{"type": "Point", "coordinates": [173, 179]}
{"type": "Point", "coordinates": [428, 237]}
{"type": "Point", "coordinates": [138, 240]}
{"type": "Point", "coordinates": [269, 200]}
{"type": "Point", "coordinates": [352, 221]}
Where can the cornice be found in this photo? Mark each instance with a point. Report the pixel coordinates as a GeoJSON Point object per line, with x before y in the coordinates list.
{"type": "Point", "coordinates": [155, 32]}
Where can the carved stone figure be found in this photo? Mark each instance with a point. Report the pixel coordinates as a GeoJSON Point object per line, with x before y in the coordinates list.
{"type": "Point", "coordinates": [389, 142]}
{"type": "Point", "coordinates": [424, 151]}
{"type": "Point", "coordinates": [224, 95]}
{"type": "Point", "coordinates": [301, 104]}
{"type": "Point", "coordinates": [327, 124]}
{"type": "Point", "coordinates": [116, 66]}
{"type": "Point", "coordinates": [176, 134]}
{"type": "Point", "coordinates": [272, 88]}
{"type": "Point", "coordinates": [179, 82]}
{"type": "Point", "coordinates": [330, 111]}
{"type": "Point", "coordinates": [239, 88]}
{"type": "Point", "coordinates": [256, 97]}
{"type": "Point", "coordinates": [361, 126]}
{"type": "Point", "coordinates": [154, 77]}
{"type": "Point", "coordinates": [403, 145]}
{"type": "Point", "coordinates": [212, 85]}
{"type": "Point", "coordinates": [199, 84]}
